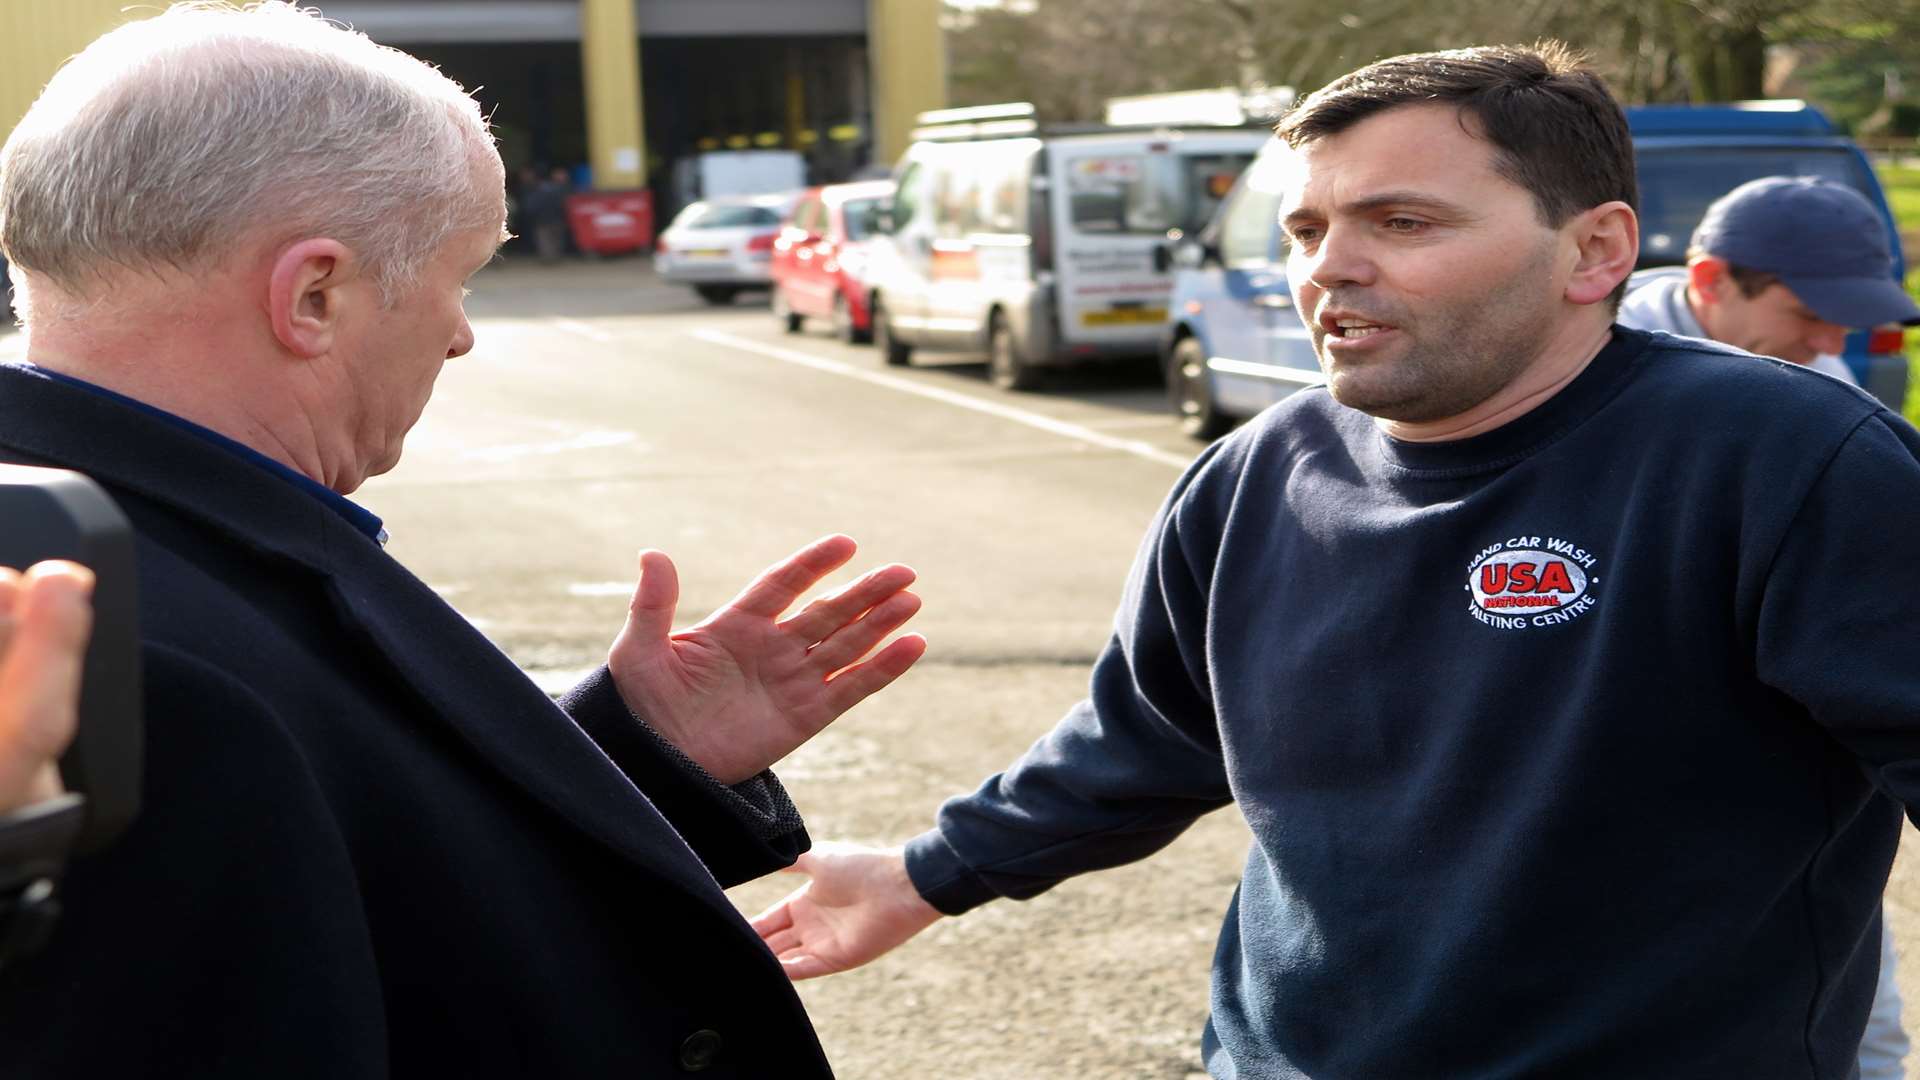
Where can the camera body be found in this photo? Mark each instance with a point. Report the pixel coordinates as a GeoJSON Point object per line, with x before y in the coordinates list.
{"type": "Point", "coordinates": [57, 514]}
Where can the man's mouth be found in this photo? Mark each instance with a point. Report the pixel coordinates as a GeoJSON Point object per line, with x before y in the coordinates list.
{"type": "Point", "coordinates": [1351, 329]}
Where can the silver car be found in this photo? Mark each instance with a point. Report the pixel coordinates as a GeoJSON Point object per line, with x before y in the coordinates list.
{"type": "Point", "coordinates": [722, 245]}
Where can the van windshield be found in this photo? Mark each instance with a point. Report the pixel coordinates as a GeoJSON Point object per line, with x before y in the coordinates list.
{"type": "Point", "coordinates": [1149, 193]}
{"type": "Point", "coordinates": [1676, 186]}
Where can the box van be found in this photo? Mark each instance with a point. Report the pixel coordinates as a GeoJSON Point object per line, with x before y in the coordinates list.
{"type": "Point", "coordinates": [1035, 244]}
{"type": "Point", "coordinates": [715, 173]}
{"type": "Point", "coordinates": [1235, 344]}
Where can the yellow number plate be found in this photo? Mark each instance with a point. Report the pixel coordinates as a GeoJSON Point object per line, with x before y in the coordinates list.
{"type": "Point", "coordinates": [1124, 316]}
{"type": "Point", "coordinates": [706, 253]}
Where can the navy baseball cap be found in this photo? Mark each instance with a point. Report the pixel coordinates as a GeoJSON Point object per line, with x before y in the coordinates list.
{"type": "Point", "coordinates": [1822, 239]}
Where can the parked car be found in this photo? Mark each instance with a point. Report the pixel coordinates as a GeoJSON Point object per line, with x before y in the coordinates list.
{"type": "Point", "coordinates": [1234, 344]}
{"type": "Point", "coordinates": [819, 262]}
{"type": "Point", "coordinates": [1036, 244]}
{"type": "Point", "coordinates": [721, 246]}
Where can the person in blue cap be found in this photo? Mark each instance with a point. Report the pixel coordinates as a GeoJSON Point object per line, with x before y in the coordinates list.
{"type": "Point", "coordinates": [1784, 266]}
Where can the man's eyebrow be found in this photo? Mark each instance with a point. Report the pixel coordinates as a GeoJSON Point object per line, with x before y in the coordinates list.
{"type": "Point", "coordinates": [1411, 200]}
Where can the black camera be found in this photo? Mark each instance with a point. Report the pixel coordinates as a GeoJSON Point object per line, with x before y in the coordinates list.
{"type": "Point", "coordinates": [55, 514]}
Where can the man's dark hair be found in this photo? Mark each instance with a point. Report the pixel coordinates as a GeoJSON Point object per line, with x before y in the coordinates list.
{"type": "Point", "coordinates": [1557, 131]}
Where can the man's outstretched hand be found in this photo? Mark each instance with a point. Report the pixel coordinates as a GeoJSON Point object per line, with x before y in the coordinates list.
{"type": "Point", "coordinates": [741, 690]}
{"type": "Point", "coordinates": [860, 904]}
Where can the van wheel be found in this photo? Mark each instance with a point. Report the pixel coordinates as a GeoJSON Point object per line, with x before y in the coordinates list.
{"type": "Point", "coordinates": [1191, 394]}
{"type": "Point", "coordinates": [717, 295]}
{"type": "Point", "coordinates": [843, 327]}
{"type": "Point", "coordinates": [891, 348]}
{"type": "Point", "coordinates": [1006, 368]}
{"type": "Point", "coordinates": [783, 312]}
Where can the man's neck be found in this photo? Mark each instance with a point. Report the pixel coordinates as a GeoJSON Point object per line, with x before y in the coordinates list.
{"type": "Point", "coordinates": [1559, 364]}
{"type": "Point", "coordinates": [169, 372]}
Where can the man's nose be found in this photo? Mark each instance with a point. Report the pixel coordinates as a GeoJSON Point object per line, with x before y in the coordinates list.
{"type": "Point", "coordinates": [1341, 258]}
{"type": "Point", "coordinates": [1828, 338]}
{"type": "Point", "coordinates": [462, 340]}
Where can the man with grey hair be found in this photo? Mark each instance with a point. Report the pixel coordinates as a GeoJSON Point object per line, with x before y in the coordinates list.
{"type": "Point", "coordinates": [370, 845]}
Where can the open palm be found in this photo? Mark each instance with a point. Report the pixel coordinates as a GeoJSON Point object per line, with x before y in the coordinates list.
{"type": "Point", "coordinates": [740, 690]}
{"type": "Point", "coordinates": [859, 904]}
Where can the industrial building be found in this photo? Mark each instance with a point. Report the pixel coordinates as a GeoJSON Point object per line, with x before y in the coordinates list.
{"type": "Point", "coordinates": [615, 89]}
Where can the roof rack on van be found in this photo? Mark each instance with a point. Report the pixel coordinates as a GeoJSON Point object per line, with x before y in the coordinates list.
{"type": "Point", "coordinates": [978, 122]}
{"type": "Point", "coordinates": [1020, 118]}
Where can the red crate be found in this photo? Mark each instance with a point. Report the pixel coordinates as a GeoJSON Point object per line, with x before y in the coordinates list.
{"type": "Point", "coordinates": [611, 222]}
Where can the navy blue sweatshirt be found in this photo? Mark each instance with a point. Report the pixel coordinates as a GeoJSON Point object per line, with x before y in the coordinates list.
{"type": "Point", "coordinates": [1567, 749]}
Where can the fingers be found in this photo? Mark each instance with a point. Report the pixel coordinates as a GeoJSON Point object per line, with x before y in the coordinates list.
{"type": "Point", "coordinates": [782, 941]}
{"type": "Point", "coordinates": [776, 918]}
{"type": "Point", "coordinates": [854, 641]}
{"type": "Point", "coordinates": [775, 590]}
{"type": "Point", "coordinates": [40, 674]}
{"type": "Point", "coordinates": [801, 965]}
{"type": "Point", "coordinates": [852, 686]}
{"type": "Point", "coordinates": [9, 597]}
{"type": "Point", "coordinates": [650, 613]}
{"type": "Point", "coordinates": [819, 619]}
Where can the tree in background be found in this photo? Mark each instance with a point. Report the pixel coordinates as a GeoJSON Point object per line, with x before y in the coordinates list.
{"type": "Point", "coordinates": [1069, 56]}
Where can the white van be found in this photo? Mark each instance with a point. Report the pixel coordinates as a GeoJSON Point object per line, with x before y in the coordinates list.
{"type": "Point", "coordinates": [737, 172]}
{"type": "Point", "coordinates": [1040, 248]}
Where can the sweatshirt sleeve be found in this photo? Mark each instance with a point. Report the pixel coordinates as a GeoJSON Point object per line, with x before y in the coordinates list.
{"type": "Point", "coordinates": [1129, 768]}
{"type": "Point", "coordinates": [1839, 625]}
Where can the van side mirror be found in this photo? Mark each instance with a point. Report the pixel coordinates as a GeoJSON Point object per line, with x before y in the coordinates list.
{"type": "Point", "coordinates": [1195, 252]}
{"type": "Point", "coordinates": [882, 218]}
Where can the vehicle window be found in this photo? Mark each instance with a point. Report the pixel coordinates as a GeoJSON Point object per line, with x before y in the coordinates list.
{"type": "Point", "coordinates": [955, 213]}
{"type": "Point", "coordinates": [1149, 193]}
{"type": "Point", "coordinates": [1249, 225]}
{"type": "Point", "coordinates": [911, 190]}
{"type": "Point", "coordinates": [1000, 197]}
{"type": "Point", "coordinates": [1112, 194]}
{"type": "Point", "coordinates": [1205, 181]}
{"type": "Point", "coordinates": [1677, 185]}
{"type": "Point", "coordinates": [858, 216]}
{"type": "Point", "coordinates": [731, 217]}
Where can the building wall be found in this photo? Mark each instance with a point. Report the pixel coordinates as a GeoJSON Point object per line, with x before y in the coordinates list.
{"type": "Point", "coordinates": [37, 36]}
{"type": "Point", "coordinates": [901, 72]}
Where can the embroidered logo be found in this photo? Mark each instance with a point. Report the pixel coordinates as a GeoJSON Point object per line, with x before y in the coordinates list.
{"type": "Point", "coordinates": [1529, 581]}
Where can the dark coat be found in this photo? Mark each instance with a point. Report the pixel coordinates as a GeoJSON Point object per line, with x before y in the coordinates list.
{"type": "Point", "coordinates": [370, 846]}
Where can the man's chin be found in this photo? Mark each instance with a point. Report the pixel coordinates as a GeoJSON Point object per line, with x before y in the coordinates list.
{"type": "Point", "coordinates": [1354, 390]}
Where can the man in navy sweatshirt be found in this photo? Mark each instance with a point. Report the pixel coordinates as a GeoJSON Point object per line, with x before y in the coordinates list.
{"type": "Point", "coordinates": [1565, 674]}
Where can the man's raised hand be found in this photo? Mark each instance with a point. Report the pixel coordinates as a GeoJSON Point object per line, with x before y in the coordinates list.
{"type": "Point", "coordinates": [742, 689]}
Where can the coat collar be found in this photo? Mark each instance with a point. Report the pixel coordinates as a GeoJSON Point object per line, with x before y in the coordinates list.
{"type": "Point", "coordinates": [456, 671]}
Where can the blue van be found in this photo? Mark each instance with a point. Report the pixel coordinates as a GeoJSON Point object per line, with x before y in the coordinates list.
{"type": "Point", "coordinates": [1234, 345]}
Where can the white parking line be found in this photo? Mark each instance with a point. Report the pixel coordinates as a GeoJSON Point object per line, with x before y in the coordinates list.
{"type": "Point", "coordinates": [1076, 432]}
{"type": "Point", "coordinates": [586, 440]}
{"type": "Point", "coordinates": [585, 330]}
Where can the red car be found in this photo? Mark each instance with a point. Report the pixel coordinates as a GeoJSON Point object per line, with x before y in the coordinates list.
{"type": "Point", "coordinates": [820, 258]}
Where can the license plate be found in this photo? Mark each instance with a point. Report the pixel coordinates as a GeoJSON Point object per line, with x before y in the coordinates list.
{"type": "Point", "coordinates": [1124, 316]}
{"type": "Point", "coordinates": [706, 253]}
